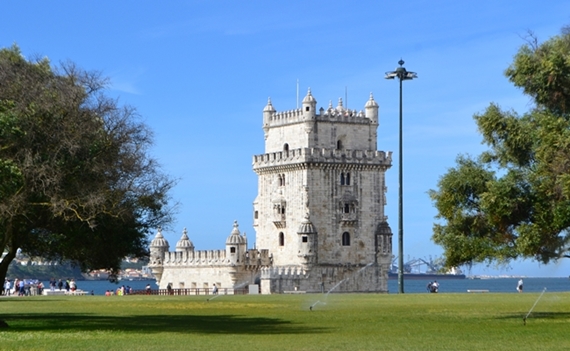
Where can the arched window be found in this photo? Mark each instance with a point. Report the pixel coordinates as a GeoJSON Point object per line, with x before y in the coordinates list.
{"type": "Point", "coordinates": [286, 147]}
{"type": "Point", "coordinates": [281, 239]}
{"type": "Point", "coordinates": [256, 215]}
{"type": "Point", "coordinates": [232, 249]}
{"type": "Point", "coordinates": [346, 239]}
{"type": "Point", "coordinates": [348, 179]}
{"type": "Point", "coordinates": [346, 208]}
{"type": "Point", "coordinates": [342, 179]}
{"type": "Point", "coordinates": [283, 180]}
{"type": "Point", "coordinates": [339, 145]}
{"type": "Point", "coordinates": [279, 180]}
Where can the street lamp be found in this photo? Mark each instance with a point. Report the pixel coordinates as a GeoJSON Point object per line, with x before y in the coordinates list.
{"type": "Point", "coordinates": [402, 75]}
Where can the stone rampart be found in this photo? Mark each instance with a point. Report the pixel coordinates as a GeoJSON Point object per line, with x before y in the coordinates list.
{"type": "Point", "coordinates": [296, 116]}
{"type": "Point", "coordinates": [338, 278]}
{"type": "Point", "coordinates": [322, 155]}
{"type": "Point", "coordinates": [195, 258]}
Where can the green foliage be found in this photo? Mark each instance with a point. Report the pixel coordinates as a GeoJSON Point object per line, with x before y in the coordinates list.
{"type": "Point", "coordinates": [514, 199]}
{"type": "Point", "coordinates": [543, 72]}
{"type": "Point", "coordinates": [284, 322]}
{"type": "Point", "coordinates": [77, 183]}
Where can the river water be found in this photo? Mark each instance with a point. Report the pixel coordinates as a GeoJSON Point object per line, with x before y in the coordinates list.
{"type": "Point", "coordinates": [503, 285]}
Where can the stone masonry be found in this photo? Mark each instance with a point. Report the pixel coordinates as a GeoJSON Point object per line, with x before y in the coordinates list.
{"type": "Point", "coordinates": [318, 215]}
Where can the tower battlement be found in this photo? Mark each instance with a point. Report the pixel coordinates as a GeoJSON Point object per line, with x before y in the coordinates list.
{"type": "Point", "coordinates": [277, 119]}
{"type": "Point", "coordinates": [210, 258]}
{"type": "Point", "coordinates": [322, 155]}
{"type": "Point", "coordinates": [195, 258]}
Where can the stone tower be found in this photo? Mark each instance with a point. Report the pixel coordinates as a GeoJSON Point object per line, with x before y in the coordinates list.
{"type": "Point", "coordinates": [321, 196]}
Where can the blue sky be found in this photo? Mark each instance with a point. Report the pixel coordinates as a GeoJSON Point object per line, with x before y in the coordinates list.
{"type": "Point", "coordinates": [200, 73]}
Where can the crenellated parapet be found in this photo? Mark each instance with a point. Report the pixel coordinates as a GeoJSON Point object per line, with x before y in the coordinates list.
{"type": "Point", "coordinates": [284, 272]}
{"type": "Point", "coordinates": [340, 158]}
{"type": "Point", "coordinates": [195, 258]}
{"type": "Point", "coordinates": [278, 119]}
{"type": "Point", "coordinates": [251, 258]}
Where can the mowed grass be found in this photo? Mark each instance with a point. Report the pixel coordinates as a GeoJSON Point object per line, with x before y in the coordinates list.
{"type": "Point", "coordinates": [285, 322]}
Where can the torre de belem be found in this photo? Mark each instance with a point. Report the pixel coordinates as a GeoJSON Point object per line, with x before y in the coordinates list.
{"type": "Point", "coordinates": [318, 215]}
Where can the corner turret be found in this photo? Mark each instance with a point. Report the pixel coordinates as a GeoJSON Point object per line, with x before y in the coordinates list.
{"type": "Point", "coordinates": [158, 247]}
{"type": "Point", "coordinates": [383, 242]}
{"type": "Point", "coordinates": [268, 112]}
{"type": "Point", "coordinates": [307, 243]}
{"type": "Point", "coordinates": [236, 245]}
{"type": "Point", "coordinates": [371, 108]}
{"type": "Point", "coordinates": [184, 244]}
{"type": "Point", "coordinates": [309, 106]}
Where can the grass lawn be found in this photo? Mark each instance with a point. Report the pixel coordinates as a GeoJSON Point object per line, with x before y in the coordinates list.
{"type": "Point", "coordinates": [284, 322]}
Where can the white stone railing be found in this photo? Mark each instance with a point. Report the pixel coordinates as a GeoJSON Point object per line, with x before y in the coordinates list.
{"type": "Point", "coordinates": [322, 155]}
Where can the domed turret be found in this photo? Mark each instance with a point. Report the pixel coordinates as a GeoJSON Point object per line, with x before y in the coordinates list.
{"type": "Point", "coordinates": [307, 242]}
{"type": "Point", "coordinates": [159, 243]}
{"type": "Point", "coordinates": [371, 108]}
{"type": "Point", "coordinates": [340, 109]}
{"type": "Point", "coordinates": [236, 245]}
{"type": "Point", "coordinates": [158, 247]}
{"type": "Point", "coordinates": [309, 106]}
{"type": "Point", "coordinates": [268, 112]}
{"type": "Point", "coordinates": [384, 239]}
{"type": "Point", "coordinates": [184, 244]}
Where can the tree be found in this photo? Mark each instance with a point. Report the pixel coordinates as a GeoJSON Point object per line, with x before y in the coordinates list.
{"type": "Point", "coordinates": [513, 200]}
{"type": "Point", "coordinates": [76, 180]}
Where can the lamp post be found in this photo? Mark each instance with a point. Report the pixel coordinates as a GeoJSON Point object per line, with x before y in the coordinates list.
{"type": "Point", "coordinates": [402, 75]}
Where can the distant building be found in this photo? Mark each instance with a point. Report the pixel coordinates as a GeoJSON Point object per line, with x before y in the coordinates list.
{"type": "Point", "coordinates": [318, 215]}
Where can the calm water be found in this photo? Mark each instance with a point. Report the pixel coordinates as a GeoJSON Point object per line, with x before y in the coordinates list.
{"type": "Point", "coordinates": [507, 285]}
{"type": "Point", "coordinates": [503, 285]}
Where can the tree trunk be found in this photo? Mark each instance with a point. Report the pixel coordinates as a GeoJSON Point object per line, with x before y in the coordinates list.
{"type": "Point", "coordinates": [6, 262]}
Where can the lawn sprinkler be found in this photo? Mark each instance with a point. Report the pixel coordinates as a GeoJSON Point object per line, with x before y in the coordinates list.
{"type": "Point", "coordinates": [211, 298]}
{"type": "Point", "coordinates": [313, 305]}
{"type": "Point", "coordinates": [525, 317]}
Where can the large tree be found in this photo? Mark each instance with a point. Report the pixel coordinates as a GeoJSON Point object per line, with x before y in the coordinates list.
{"type": "Point", "coordinates": [513, 200]}
{"type": "Point", "coordinates": [76, 181]}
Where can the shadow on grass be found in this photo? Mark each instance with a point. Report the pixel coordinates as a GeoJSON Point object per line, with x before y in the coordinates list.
{"type": "Point", "coordinates": [539, 315]}
{"type": "Point", "coordinates": [219, 324]}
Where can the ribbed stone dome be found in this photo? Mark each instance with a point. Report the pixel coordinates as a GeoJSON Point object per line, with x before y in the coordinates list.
{"type": "Point", "coordinates": [306, 226]}
{"type": "Point", "coordinates": [184, 243]}
{"type": "Point", "coordinates": [269, 107]}
{"type": "Point", "coordinates": [309, 97]}
{"type": "Point", "coordinates": [371, 102]}
{"type": "Point", "coordinates": [384, 229]}
{"type": "Point", "coordinates": [159, 241]}
{"type": "Point", "coordinates": [235, 237]}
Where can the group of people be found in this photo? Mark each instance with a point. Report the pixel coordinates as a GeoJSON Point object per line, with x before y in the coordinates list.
{"type": "Point", "coordinates": [68, 284]}
{"type": "Point", "coordinates": [21, 287]}
{"type": "Point", "coordinates": [432, 287]}
{"type": "Point", "coordinates": [121, 291]}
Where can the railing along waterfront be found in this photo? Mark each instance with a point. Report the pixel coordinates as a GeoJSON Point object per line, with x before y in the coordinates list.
{"type": "Point", "coordinates": [190, 291]}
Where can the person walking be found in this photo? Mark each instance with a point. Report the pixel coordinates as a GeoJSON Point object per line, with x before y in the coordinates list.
{"type": "Point", "coordinates": [21, 286]}
{"type": "Point", "coordinates": [7, 287]}
{"type": "Point", "coordinates": [520, 286]}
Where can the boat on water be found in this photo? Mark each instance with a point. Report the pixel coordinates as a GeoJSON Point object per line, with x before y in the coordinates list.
{"type": "Point", "coordinates": [433, 270]}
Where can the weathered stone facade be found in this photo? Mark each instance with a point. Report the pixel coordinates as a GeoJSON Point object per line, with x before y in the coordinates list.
{"type": "Point", "coordinates": [319, 213]}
